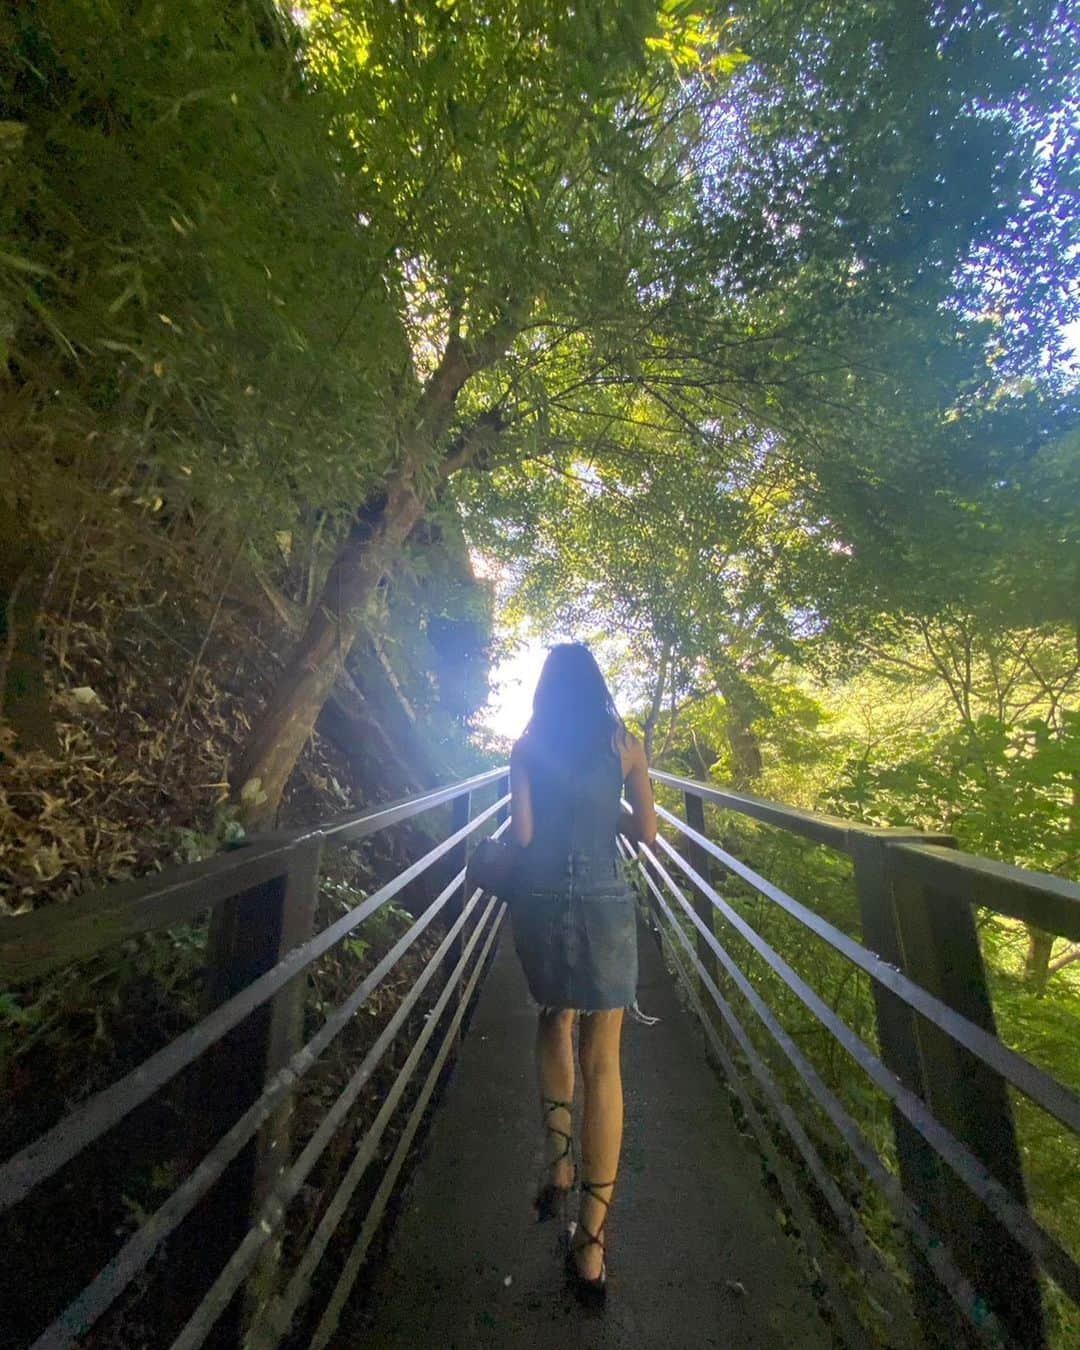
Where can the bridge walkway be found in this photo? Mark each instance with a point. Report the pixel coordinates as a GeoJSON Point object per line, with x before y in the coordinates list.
{"type": "Point", "coordinates": [696, 1256]}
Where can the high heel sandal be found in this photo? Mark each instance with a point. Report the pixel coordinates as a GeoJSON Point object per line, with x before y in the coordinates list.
{"type": "Point", "coordinates": [550, 1200]}
{"type": "Point", "coordinates": [592, 1287]}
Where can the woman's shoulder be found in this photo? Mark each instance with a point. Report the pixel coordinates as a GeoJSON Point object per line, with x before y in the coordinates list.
{"type": "Point", "coordinates": [628, 747]}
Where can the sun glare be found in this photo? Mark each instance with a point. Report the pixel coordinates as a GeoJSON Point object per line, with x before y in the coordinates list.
{"type": "Point", "coordinates": [512, 684]}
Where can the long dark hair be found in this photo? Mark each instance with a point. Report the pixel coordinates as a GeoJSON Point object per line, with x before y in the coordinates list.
{"type": "Point", "coordinates": [574, 715]}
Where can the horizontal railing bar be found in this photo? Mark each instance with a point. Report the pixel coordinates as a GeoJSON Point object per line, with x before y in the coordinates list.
{"type": "Point", "coordinates": [809, 1228]}
{"type": "Point", "coordinates": [328, 1324]}
{"type": "Point", "coordinates": [351, 828]}
{"type": "Point", "coordinates": [971, 1171]}
{"type": "Point", "coordinates": [280, 1319]}
{"type": "Point", "coordinates": [883, 1280]}
{"type": "Point", "coordinates": [365, 1152]}
{"type": "Point", "coordinates": [272, 1214]}
{"type": "Point", "coordinates": [936, 1254]}
{"type": "Point", "coordinates": [33, 945]}
{"type": "Point", "coordinates": [83, 1311]}
{"type": "Point", "coordinates": [806, 1071]}
{"type": "Point", "coordinates": [829, 830]}
{"type": "Point", "coordinates": [1049, 902]}
{"type": "Point", "coordinates": [70, 1136]}
{"type": "Point", "coordinates": [1051, 1095]}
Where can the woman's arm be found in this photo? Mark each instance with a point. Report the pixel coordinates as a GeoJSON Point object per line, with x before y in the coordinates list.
{"type": "Point", "coordinates": [521, 812]}
{"type": "Point", "coordinates": [641, 826]}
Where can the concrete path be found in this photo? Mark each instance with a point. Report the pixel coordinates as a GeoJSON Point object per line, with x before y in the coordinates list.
{"type": "Point", "coordinates": [695, 1255]}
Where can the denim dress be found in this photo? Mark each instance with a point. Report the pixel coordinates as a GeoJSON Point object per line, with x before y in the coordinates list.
{"type": "Point", "coordinates": [571, 906]}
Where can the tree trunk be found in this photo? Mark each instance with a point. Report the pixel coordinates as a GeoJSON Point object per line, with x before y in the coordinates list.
{"type": "Point", "coordinates": [348, 720]}
{"type": "Point", "coordinates": [298, 697]}
{"type": "Point", "coordinates": [653, 715]}
{"type": "Point", "coordinates": [743, 708]}
{"type": "Point", "coordinates": [1037, 964]}
{"type": "Point", "coordinates": [24, 694]}
{"type": "Point", "coordinates": [381, 528]}
{"type": "Point", "coordinates": [746, 760]}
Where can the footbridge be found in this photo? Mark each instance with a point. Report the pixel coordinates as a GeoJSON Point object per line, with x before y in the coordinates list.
{"type": "Point", "coordinates": [386, 1203]}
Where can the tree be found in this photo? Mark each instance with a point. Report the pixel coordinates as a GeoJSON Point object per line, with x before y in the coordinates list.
{"type": "Point", "coordinates": [332, 262]}
{"type": "Point", "coordinates": [538, 156]}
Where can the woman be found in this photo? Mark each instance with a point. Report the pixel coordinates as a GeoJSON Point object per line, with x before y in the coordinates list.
{"type": "Point", "coordinates": [574, 925]}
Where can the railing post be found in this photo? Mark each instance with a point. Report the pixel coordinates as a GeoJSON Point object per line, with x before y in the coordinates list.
{"type": "Point", "coordinates": [249, 935]}
{"type": "Point", "coordinates": [932, 938]}
{"type": "Point", "coordinates": [700, 861]}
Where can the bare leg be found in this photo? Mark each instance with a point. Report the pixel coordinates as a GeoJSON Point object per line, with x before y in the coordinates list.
{"type": "Point", "coordinates": [555, 1072]}
{"type": "Point", "coordinates": [601, 1136]}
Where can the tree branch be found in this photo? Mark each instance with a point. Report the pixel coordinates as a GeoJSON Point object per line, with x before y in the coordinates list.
{"type": "Point", "coordinates": [475, 443]}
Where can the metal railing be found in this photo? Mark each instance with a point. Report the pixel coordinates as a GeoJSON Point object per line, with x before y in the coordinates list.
{"type": "Point", "coordinates": [960, 1195]}
{"type": "Point", "coordinates": [941, 1065]}
{"type": "Point", "coordinates": [262, 901]}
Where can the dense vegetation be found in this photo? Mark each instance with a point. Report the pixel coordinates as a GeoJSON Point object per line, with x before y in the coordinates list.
{"type": "Point", "coordinates": [732, 337]}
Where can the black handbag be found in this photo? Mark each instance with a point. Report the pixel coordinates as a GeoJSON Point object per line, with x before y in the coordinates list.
{"type": "Point", "coordinates": [491, 866]}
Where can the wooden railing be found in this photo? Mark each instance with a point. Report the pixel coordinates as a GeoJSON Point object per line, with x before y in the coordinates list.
{"type": "Point", "coordinates": [960, 1196]}
{"type": "Point", "coordinates": [250, 1057]}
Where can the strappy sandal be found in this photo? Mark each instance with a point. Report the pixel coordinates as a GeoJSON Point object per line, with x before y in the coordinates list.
{"type": "Point", "coordinates": [550, 1200]}
{"type": "Point", "coordinates": [590, 1287]}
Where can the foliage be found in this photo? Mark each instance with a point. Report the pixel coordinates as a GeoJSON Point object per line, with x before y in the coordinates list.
{"type": "Point", "coordinates": [180, 223]}
{"type": "Point", "coordinates": [297, 259]}
{"type": "Point", "coordinates": [732, 335]}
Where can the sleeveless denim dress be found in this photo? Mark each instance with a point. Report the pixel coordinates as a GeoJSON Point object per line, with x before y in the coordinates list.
{"type": "Point", "coordinates": [571, 907]}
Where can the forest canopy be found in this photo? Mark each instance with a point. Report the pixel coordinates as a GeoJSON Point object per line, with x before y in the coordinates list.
{"type": "Point", "coordinates": [736, 339]}
{"type": "Point", "coordinates": [776, 294]}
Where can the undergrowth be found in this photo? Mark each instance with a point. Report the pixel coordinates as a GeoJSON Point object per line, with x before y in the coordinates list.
{"type": "Point", "coordinates": [151, 689]}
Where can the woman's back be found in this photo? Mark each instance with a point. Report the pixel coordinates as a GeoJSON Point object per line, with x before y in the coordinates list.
{"type": "Point", "coordinates": [575, 805]}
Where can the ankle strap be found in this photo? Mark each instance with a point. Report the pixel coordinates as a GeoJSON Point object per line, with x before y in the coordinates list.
{"type": "Point", "coordinates": [550, 1104]}
{"type": "Point", "coordinates": [591, 1238]}
{"type": "Point", "coordinates": [592, 1186]}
